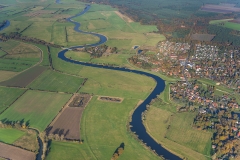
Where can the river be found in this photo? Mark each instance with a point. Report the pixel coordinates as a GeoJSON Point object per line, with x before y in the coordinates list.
{"type": "Point", "coordinates": [136, 124]}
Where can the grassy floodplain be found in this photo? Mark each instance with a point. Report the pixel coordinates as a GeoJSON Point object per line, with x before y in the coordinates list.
{"type": "Point", "coordinates": [103, 19]}
{"type": "Point", "coordinates": [100, 117]}
{"type": "Point", "coordinates": [36, 108]}
{"type": "Point", "coordinates": [10, 135]}
{"type": "Point", "coordinates": [58, 82]}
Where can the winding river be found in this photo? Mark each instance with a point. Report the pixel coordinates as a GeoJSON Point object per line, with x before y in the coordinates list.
{"type": "Point", "coordinates": [136, 124]}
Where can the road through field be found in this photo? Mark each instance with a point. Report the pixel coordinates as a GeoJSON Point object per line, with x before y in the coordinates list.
{"type": "Point", "coordinates": [136, 124]}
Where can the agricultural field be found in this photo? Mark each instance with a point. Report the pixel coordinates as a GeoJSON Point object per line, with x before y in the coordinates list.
{"type": "Point", "coordinates": [227, 23]}
{"type": "Point", "coordinates": [120, 33]}
{"type": "Point", "coordinates": [56, 82]}
{"type": "Point", "coordinates": [181, 132]}
{"type": "Point", "coordinates": [11, 152]}
{"type": "Point", "coordinates": [24, 78]}
{"type": "Point", "coordinates": [18, 56]}
{"type": "Point", "coordinates": [202, 37]}
{"type": "Point", "coordinates": [38, 112]}
{"type": "Point", "coordinates": [6, 75]}
{"type": "Point", "coordinates": [157, 122]}
{"type": "Point", "coordinates": [221, 8]}
{"type": "Point", "coordinates": [68, 150]}
{"type": "Point", "coordinates": [100, 117]}
{"type": "Point", "coordinates": [8, 96]}
{"type": "Point", "coordinates": [10, 135]}
{"type": "Point", "coordinates": [67, 123]}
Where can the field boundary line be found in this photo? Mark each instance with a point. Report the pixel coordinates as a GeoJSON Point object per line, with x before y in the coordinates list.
{"type": "Point", "coordinates": [14, 100]}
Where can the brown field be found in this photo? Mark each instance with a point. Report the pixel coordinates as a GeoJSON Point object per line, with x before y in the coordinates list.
{"type": "Point", "coordinates": [67, 123]}
{"type": "Point", "coordinates": [124, 17]}
{"type": "Point", "coordinates": [38, 13]}
{"type": "Point", "coordinates": [202, 37]}
{"type": "Point", "coordinates": [6, 75]}
{"type": "Point", "coordinates": [235, 20]}
{"type": "Point", "coordinates": [220, 8]}
{"type": "Point", "coordinates": [110, 99]}
{"type": "Point", "coordinates": [24, 78]}
{"type": "Point", "coordinates": [11, 152]}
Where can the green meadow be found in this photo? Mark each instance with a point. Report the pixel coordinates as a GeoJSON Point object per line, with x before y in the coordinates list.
{"type": "Point", "coordinates": [58, 82]}
{"type": "Point", "coordinates": [36, 108]}
{"type": "Point", "coordinates": [10, 135]}
{"type": "Point", "coordinates": [226, 23]}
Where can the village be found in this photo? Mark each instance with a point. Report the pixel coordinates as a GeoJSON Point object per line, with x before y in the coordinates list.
{"type": "Point", "coordinates": [182, 60]}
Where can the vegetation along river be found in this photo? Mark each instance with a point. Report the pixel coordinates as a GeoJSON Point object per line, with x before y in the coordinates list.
{"type": "Point", "coordinates": [136, 124]}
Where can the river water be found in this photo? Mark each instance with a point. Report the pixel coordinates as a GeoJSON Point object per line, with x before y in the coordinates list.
{"type": "Point", "coordinates": [136, 124]}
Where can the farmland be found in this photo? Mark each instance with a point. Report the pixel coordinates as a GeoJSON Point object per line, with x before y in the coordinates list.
{"type": "Point", "coordinates": [18, 56]}
{"type": "Point", "coordinates": [36, 108]}
{"type": "Point", "coordinates": [157, 122]}
{"type": "Point", "coordinates": [24, 78]}
{"type": "Point", "coordinates": [8, 96]}
{"type": "Point", "coordinates": [15, 153]}
{"type": "Point", "coordinates": [9, 135]}
{"type": "Point", "coordinates": [67, 123]}
{"type": "Point", "coordinates": [57, 82]}
{"type": "Point", "coordinates": [100, 117]}
{"type": "Point", "coordinates": [227, 23]}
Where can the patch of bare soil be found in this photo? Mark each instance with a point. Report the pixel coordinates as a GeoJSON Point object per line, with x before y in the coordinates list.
{"type": "Point", "coordinates": [15, 153]}
{"type": "Point", "coordinates": [67, 123]}
{"type": "Point", "coordinates": [110, 99]}
{"type": "Point", "coordinates": [124, 17]}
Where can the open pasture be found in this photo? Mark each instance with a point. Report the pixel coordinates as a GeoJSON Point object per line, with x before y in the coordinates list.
{"type": "Point", "coordinates": [18, 56]}
{"type": "Point", "coordinates": [228, 23]}
{"type": "Point", "coordinates": [10, 135]}
{"type": "Point", "coordinates": [69, 150]}
{"type": "Point", "coordinates": [25, 78]}
{"type": "Point", "coordinates": [181, 131]}
{"type": "Point", "coordinates": [8, 96]}
{"type": "Point", "coordinates": [11, 152]}
{"type": "Point", "coordinates": [157, 122]}
{"type": "Point", "coordinates": [36, 108]}
{"type": "Point", "coordinates": [56, 82]}
{"type": "Point", "coordinates": [99, 117]}
{"type": "Point", "coordinates": [6, 75]}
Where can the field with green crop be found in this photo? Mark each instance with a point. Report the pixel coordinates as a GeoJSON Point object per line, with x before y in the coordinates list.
{"type": "Point", "coordinates": [100, 117]}
{"type": "Point", "coordinates": [120, 33]}
{"type": "Point", "coordinates": [10, 135]}
{"type": "Point", "coordinates": [18, 56]}
{"type": "Point", "coordinates": [55, 81]}
{"type": "Point", "coordinates": [157, 123]}
{"type": "Point", "coordinates": [8, 96]}
{"type": "Point", "coordinates": [115, 59]}
{"type": "Point", "coordinates": [226, 23]}
{"type": "Point", "coordinates": [36, 108]}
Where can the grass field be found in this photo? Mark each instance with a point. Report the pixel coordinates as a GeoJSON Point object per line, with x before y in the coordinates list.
{"type": "Point", "coordinates": [58, 82]}
{"type": "Point", "coordinates": [8, 96]}
{"type": "Point", "coordinates": [181, 131]}
{"type": "Point", "coordinates": [10, 135]}
{"type": "Point", "coordinates": [157, 122]}
{"type": "Point", "coordinates": [73, 151]}
{"type": "Point", "coordinates": [6, 75]}
{"type": "Point", "coordinates": [99, 117]}
{"type": "Point", "coordinates": [19, 57]}
{"type": "Point", "coordinates": [116, 59]}
{"type": "Point", "coordinates": [226, 23]}
{"type": "Point", "coordinates": [120, 33]}
{"type": "Point", "coordinates": [36, 108]}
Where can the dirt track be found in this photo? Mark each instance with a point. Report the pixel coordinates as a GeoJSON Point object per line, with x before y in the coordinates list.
{"type": "Point", "coordinates": [15, 153]}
